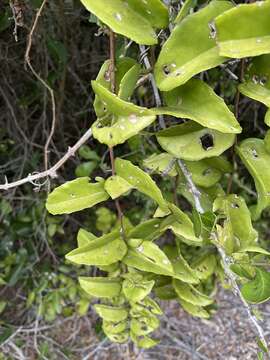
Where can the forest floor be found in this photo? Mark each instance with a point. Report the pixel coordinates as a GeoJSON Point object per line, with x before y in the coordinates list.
{"type": "Point", "coordinates": [227, 335]}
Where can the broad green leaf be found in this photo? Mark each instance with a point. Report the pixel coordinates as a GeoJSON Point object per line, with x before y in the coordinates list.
{"type": "Point", "coordinates": [181, 267]}
{"type": "Point", "coordinates": [121, 119]}
{"type": "Point", "coordinates": [86, 153]}
{"type": "Point", "coordinates": [165, 292]}
{"type": "Point", "coordinates": [132, 18]}
{"type": "Point", "coordinates": [136, 288]}
{"type": "Point", "coordinates": [190, 49]}
{"type": "Point", "coordinates": [128, 82]}
{"type": "Point", "coordinates": [194, 310]}
{"type": "Point", "coordinates": [204, 266]}
{"type": "Point", "coordinates": [101, 286]}
{"type": "Point", "coordinates": [147, 230]}
{"type": "Point", "coordinates": [75, 195]}
{"type": "Point", "coordinates": [160, 162]}
{"type": "Point", "coordinates": [84, 237]}
{"type": "Point", "coordinates": [114, 328]}
{"type": "Point", "coordinates": [181, 225]}
{"type": "Point", "coordinates": [203, 174]}
{"type": "Point", "coordinates": [139, 180]}
{"type": "Point", "coordinates": [256, 159]}
{"type": "Point", "coordinates": [116, 186]}
{"type": "Point", "coordinates": [111, 313]}
{"type": "Point", "coordinates": [151, 305]}
{"type": "Point", "coordinates": [236, 37]}
{"type": "Point", "coordinates": [190, 141]}
{"type": "Point", "coordinates": [144, 325]}
{"type": "Point", "coordinates": [144, 342]}
{"type": "Point", "coordinates": [105, 250]}
{"type": "Point", "coordinates": [238, 217]}
{"type": "Point", "coordinates": [126, 70]}
{"type": "Point", "coordinates": [185, 9]}
{"type": "Point", "coordinates": [195, 100]}
{"type": "Point", "coordinates": [257, 290]}
{"type": "Point", "coordinates": [255, 249]}
{"type": "Point", "coordinates": [85, 169]}
{"type": "Point", "coordinates": [256, 91]}
{"type": "Point", "coordinates": [191, 294]}
{"type": "Point", "coordinates": [117, 106]}
{"type": "Point", "coordinates": [118, 338]}
{"type": "Point", "coordinates": [148, 257]}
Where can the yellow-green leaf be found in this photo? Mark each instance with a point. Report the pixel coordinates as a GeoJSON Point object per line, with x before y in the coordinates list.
{"type": "Point", "coordinates": [258, 290]}
{"type": "Point", "coordinates": [190, 49]}
{"type": "Point", "coordinates": [101, 286]}
{"type": "Point", "coordinates": [236, 37]}
{"type": "Point", "coordinates": [75, 195]}
{"type": "Point", "coordinates": [116, 186]}
{"type": "Point", "coordinates": [190, 141]}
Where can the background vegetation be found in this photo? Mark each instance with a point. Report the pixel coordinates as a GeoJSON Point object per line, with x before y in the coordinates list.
{"type": "Point", "coordinates": [43, 312]}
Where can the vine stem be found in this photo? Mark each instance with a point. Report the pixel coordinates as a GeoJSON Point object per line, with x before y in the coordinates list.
{"type": "Point", "coordinates": [153, 84]}
{"type": "Point", "coordinates": [113, 88]}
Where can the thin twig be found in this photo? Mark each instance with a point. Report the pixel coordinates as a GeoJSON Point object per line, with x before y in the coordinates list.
{"type": "Point", "coordinates": [52, 172]}
{"type": "Point", "coordinates": [153, 83]}
{"type": "Point", "coordinates": [42, 81]}
{"type": "Point", "coordinates": [194, 190]}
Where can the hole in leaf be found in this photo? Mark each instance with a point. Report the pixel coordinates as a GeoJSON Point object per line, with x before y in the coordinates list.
{"type": "Point", "coordinates": [207, 172]}
{"type": "Point", "coordinates": [254, 153]}
{"type": "Point", "coordinates": [166, 69]}
{"type": "Point", "coordinates": [235, 206]}
{"type": "Point", "coordinates": [207, 141]}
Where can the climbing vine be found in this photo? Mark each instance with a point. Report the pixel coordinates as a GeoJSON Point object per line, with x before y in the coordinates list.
{"type": "Point", "coordinates": [200, 234]}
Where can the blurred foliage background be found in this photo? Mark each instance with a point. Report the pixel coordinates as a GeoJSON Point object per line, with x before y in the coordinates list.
{"type": "Point", "coordinates": [37, 286]}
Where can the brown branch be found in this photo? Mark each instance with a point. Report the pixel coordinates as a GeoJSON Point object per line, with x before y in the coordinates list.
{"type": "Point", "coordinates": [42, 81]}
{"type": "Point", "coordinates": [52, 172]}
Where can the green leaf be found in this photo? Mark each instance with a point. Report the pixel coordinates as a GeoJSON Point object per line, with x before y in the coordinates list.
{"type": "Point", "coordinates": [136, 288]}
{"type": "Point", "coordinates": [121, 119]}
{"type": "Point", "coordinates": [195, 100]}
{"type": "Point", "coordinates": [147, 230]}
{"type": "Point", "coordinates": [159, 163]}
{"type": "Point", "coordinates": [85, 169]}
{"type": "Point", "coordinates": [117, 186]}
{"type": "Point", "coordinates": [86, 153]}
{"type": "Point", "coordinates": [132, 18]}
{"type": "Point", "coordinates": [181, 225]}
{"type": "Point", "coordinates": [148, 257]}
{"type": "Point", "coordinates": [257, 290]}
{"type": "Point", "coordinates": [118, 338]}
{"type": "Point", "coordinates": [255, 91]}
{"type": "Point", "coordinates": [84, 237]}
{"type": "Point", "coordinates": [117, 106]}
{"type": "Point", "coordinates": [105, 250]}
{"type": "Point", "coordinates": [238, 219]}
{"type": "Point", "coordinates": [128, 82]}
{"type": "Point", "coordinates": [100, 286]}
{"type": "Point", "coordinates": [144, 325]}
{"type": "Point", "coordinates": [203, 174]}
{"type": "Point", "coordinates": [144, 342]}
{"type": "Point", "coordinates": [194, 310]}
{"type": "Point", "coordinates": [185, 10]}
{"type": "Point", "coordinates": [204, 266]}
{"type": "Point", "coordinates": [190, 294]}
{"type": "Point", "coordinates": [75, 195]}
{"type": "Point", "coordinates": [190, 141]}
{"type": "Point", "coordinates": [181, 267]}
{"type": "Point", "coordinates": [113, 328]}
{"type": "Point", "coordinates": [256, 249]}
{"type": "Point", "coordinates": [236, 38]}
{"type": "Point", "coordinates": [139, 180]}
{"type": "Point", "coordinates": [256, 159]}
{"type": "Point", "coordinates": [190, 49]}
{"type": "Point", "coordinates": [111, 313]}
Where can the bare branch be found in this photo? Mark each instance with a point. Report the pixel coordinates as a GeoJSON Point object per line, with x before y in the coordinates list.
{"type": "Point", "coordinates": [42, 81]}
{"type": "Point", "coordinates": [52, 172]}
{"type": "Point", "coordinates": [153, 83]}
